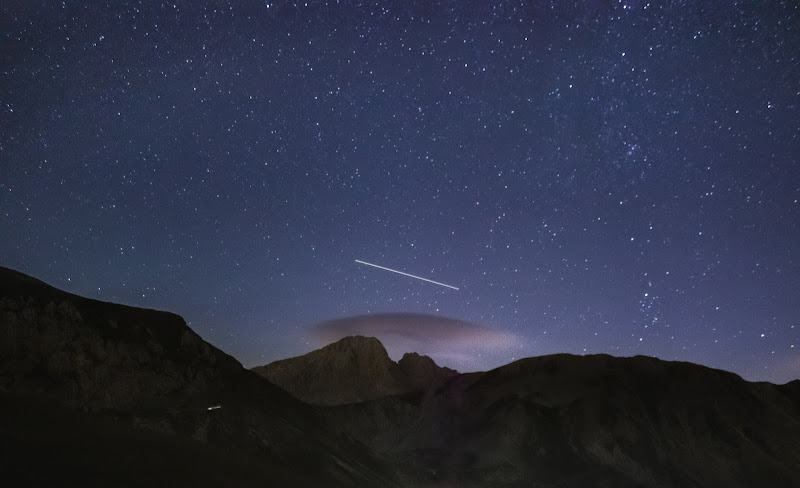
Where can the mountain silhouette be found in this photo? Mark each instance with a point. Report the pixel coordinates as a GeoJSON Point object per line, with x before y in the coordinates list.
{"type": "Point", "coordinates": [104, 394]}
{"type": "Point", "coordinates": [597, 420]}
{"type": "Point", "coordinates": [93, 393]}
{"type": "Point", "coordinates": [353, 369]}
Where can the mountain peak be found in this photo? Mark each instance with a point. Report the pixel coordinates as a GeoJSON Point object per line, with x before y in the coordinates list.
{"type": "Point", "coordinates": [350, 370]}
{"type": "Point", "coordinates": [422, 372]}
{"type": "Point", "coordinates": [357, 344]}
{"type": "Point", "coordinates": [353, 369]}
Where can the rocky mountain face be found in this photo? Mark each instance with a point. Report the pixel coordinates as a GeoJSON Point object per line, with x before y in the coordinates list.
{"type": "Point", "coordinates": [96, 393]}
{"type": "Point", "coordinates": [590, 421]}
{"type": "Point", "coordinates": [422, 373]}
{"type": "Point", "coordinates": [560, 420]}
{"type": "Point", "coordinates": [144, 373]}
{"type": "Point", "coordinates": [353, 369]}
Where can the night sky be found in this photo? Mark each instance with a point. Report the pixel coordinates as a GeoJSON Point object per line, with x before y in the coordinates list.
{"type": "Point", "coordinates": [594, 176]}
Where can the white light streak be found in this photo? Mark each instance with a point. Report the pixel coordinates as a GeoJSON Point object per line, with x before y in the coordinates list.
{"type": "Point", "coordinates": [406, 274]}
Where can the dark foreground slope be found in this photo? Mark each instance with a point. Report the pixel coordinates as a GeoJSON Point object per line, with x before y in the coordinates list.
{"type": "Point", "coordinates": [353, 369]}
{"type": "Point", "coordinates": [44, 445]}
{"type": "Point", "coordinates": [83, 379]}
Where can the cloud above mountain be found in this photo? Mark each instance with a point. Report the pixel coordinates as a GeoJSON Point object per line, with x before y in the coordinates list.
{"type": "Point", "coordinates": [450, 342]}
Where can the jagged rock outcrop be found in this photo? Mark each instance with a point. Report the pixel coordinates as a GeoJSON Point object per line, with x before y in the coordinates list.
{"type": "Point", "coordinates": [353, 369]}
{"type": "Point", "coordinates": [422, 373]}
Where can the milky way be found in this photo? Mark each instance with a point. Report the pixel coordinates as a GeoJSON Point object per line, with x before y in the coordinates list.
{"type": "Point", "coordinates": [595, 176]}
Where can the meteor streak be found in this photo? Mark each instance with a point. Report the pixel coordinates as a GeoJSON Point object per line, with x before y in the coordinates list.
{"type": "Point", "coordinates": [406, 274]}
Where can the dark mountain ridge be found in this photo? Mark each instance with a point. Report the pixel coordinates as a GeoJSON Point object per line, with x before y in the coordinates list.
{"type": "Point", "coordinates": [587, 420]}
{"type": "Point", "coordinates": [102, 394]}
{"type": "Point", "coordinates": [148, 372]}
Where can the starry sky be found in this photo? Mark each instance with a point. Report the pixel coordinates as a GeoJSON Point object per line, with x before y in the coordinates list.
{"type": "Point", "coordinates": [598, 176]}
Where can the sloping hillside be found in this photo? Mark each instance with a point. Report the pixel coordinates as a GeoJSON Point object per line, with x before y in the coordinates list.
{"type": "Point", "coordinates": [591, 421]}
{"type": "Point", "coordinates": [147, 370]}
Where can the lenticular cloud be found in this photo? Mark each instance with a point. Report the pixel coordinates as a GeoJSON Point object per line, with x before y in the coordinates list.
{"type": "Point", "coordinates": [454, 342]}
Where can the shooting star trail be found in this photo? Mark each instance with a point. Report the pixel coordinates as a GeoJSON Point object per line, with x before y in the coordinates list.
{"type": "Point", "coordinates": [406, 274]}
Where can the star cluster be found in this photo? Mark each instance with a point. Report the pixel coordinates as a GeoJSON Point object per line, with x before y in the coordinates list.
{"type": "Point", "coordinates": [613, 177]}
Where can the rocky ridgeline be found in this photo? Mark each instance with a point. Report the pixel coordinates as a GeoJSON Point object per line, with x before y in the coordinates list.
{"type": "Point", "coordinates": [422, 373]}
{"type": "Point", "coordinates": [353, 369]}
{"type": "Point", "coordinates": [68, 350]}
{"type": "Point", "coordinates": [148, 371]}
